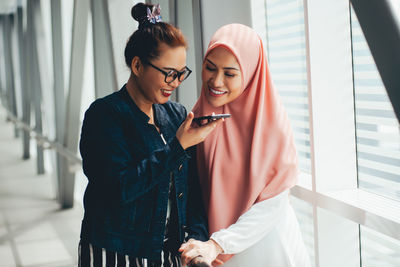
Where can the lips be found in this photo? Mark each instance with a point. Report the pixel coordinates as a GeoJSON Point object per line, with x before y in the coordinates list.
{"type": "Point", "coordinates": [166, 93]}
{"type": "Point", "coordinates": [215, 92]}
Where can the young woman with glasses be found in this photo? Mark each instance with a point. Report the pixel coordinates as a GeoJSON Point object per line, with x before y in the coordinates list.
{"type": "Point", "coordinates": [143, 198]}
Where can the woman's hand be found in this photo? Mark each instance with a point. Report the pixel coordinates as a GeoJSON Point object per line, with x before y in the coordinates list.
{"type": "Point", "coordinates": [198, 251]}
{"type": "Point", "coordinates": [189, 136]}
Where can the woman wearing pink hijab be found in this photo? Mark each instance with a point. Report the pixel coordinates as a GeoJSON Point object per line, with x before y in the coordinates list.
{"type": "Point", "coordinates": [249, 163]}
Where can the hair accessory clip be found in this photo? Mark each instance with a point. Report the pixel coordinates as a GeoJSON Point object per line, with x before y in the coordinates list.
{"type": "Point", "coordinates": [154, 16]}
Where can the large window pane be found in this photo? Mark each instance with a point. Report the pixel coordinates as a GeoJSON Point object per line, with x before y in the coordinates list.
{"type": "Point", "coordinates": [287, 61]}
{"type": "Point", "coordinates": [377, 129]}
{"type": "Point", "coordinates": [304, 214]}
{"type": "Point", "coordinates": [378, 249]}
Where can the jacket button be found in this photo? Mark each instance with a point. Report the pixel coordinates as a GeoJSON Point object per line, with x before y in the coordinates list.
{"type": "Point", "coordinates": [180, 195]}
{"type": "Point", "coordinates": [180, 167]}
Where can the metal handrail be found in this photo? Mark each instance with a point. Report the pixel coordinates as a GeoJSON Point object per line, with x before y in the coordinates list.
{"type": "Point", "coordinates": [44, 141]}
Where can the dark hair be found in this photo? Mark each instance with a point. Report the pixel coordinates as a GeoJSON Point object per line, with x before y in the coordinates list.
{"type": "Point", "coordinates": [145, 41]}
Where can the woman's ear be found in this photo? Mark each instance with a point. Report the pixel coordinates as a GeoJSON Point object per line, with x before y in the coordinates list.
{"type": "Point", "coordinates": [136, 66]}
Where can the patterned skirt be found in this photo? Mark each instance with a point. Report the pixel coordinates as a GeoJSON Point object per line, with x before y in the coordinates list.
{"type": "Point", "coordinates": [91, 256]}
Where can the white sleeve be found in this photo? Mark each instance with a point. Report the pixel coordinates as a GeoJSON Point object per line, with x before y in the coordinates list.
{"type": "Point", "coordinates": [252, 225]}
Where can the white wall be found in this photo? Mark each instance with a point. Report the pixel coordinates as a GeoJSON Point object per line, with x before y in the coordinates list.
{"type": "Point", "coordinates": [122, 26]}
{"type": "Point", "coordinates": [218, 13]}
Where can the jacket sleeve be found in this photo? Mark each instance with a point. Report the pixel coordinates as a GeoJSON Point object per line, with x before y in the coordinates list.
{"type": "Point", "coordinates": [108, 163]}
{"type": "Point", "coordinates": [197, 223]}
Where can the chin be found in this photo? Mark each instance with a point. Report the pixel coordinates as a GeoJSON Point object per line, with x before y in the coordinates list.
{"type": "Point", "coordinates": [214, 102]}
{"type": "Point", "coordinates": [163, 101]}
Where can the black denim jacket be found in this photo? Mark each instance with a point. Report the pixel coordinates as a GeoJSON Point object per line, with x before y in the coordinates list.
{"type": "Point", "coordinates": [129, 170]}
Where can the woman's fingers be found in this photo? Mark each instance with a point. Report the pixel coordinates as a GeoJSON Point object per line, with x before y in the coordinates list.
{"type": "Point", "coordinates": [190, 250]}
{"type": "Point", "coordinates": [218, 262]}
{"type": "Point", "coordinates": [188, 121]}
{"type": "Point", "coordinates": [184, 248]}
{"type": "Point", "coordinates": [189, 136]}
{"type": "Point", "coordinates": [206, 250]}
{"type": "Point", "coordinates": [195, 251]}
{"type": "Point", "coordinates": [214, 123]}
{"type": "Point", "coordinates": [206, 129]}
{"type": "Point", "coordinates": [190, 255]}
{"type": "Point", "coordinates": [184, 245]}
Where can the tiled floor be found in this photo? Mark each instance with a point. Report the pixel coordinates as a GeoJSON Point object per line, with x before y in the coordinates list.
{"type": "Point", "coordinates": [34, 231]}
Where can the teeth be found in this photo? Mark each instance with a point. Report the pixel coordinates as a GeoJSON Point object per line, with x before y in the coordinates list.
{"type": "Point", "coordinates": [217, 92]}
{"type": "Point", "coordinates": [167, 91]}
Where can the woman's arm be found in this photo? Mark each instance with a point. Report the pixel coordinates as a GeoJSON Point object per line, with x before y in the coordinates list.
{"type": "Point", "coordinates": [251, 226]}
{"type": "Point", "coordinates": [108, 162]}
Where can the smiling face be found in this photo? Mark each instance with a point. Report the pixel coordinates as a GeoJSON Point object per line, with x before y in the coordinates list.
{"type": "Point", "coordinates": [151, 82]}
{"type": "Point", "coordinates": [221, 76]}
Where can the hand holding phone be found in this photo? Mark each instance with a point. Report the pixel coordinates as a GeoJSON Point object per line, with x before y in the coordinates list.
{"type": "Point", "coordinates": [210, 118]}
{"type": "Point", "coordinates": [188, 135]}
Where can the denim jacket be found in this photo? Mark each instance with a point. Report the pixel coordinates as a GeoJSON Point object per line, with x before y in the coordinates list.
{"type": "Point", "coordinates": [129, 168]}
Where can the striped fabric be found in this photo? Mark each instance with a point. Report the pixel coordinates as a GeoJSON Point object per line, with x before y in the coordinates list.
{"type": "Point", "coordinates": [91, 256]}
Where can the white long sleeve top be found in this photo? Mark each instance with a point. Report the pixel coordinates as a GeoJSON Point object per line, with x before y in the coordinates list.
{"type": "Point", "coordinates": [252, 225]}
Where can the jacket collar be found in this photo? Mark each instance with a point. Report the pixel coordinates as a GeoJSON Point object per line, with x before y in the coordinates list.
{"type": "Point", "coordinates": [159, 116]}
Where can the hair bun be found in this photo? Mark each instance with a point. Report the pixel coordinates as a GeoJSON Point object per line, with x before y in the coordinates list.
{"type": "Point", "coordinates": [139, 12]}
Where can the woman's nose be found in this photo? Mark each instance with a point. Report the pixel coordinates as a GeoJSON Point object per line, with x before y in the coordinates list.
{"type": "Point", "coordinates": [217, 80]}
{"type": "Point", "coordinates": [175, 83]}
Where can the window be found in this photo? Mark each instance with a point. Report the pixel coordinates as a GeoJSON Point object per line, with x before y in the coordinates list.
{"type": "Point", "coordinates": [378, 249]}
{"type": "Point", "coordinates": [339, 62]}
{"type": "Point", "coordinates": [377, 128]}
{"type": "Point", "coordinates": [304, 214]}
{"type": "Point", "coordinates": [285, 43]}
{"type": "Point", "coordinates": [287, 62]}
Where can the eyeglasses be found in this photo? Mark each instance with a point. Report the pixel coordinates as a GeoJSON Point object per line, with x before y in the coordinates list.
{"type": "Point", "coordinates": [171, 75]}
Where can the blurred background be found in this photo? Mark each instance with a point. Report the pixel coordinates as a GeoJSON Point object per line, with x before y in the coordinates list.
{"type": "Point", "coordinates": [335, 64]}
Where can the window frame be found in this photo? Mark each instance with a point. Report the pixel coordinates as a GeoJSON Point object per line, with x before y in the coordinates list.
{"type": "Point", "coordinates": [332, 191]}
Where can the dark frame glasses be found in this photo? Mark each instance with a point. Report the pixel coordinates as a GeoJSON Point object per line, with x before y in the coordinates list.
{"type": "Point", "coordinates": [171, 75]}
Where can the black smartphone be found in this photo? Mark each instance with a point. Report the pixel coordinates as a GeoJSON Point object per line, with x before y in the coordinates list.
{"type": "Point", "coordinates": [210, 118]}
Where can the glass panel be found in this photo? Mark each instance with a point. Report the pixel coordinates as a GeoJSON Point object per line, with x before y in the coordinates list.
{"type": "Point", "coordinates": [377, 129]}
{"type": "Point", "coordinates": [395, 5]}
{"type": "Point", "coordinates": [304, 214]}
{"type": "Point", "coordinates": [378, 249]}
{"type": "Point", "coordinates": [287, 61]}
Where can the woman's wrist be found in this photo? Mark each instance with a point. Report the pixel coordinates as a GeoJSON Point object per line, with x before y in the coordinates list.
{"type": "Point", "coordinates": [218, 248]}
{"type": "Point", "coordinates": [181, 143]}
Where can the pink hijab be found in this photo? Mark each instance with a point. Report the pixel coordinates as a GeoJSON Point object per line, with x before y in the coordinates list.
{"type": "Point", "coordinates": [250, 157]}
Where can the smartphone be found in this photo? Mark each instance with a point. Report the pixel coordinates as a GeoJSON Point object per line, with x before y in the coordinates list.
{"type": "Point", "coordinates": [210, 118]}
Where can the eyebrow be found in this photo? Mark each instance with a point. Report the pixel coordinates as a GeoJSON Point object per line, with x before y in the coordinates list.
{"type": "Point", "coordinates": [225, 68]}
{"type": "Point", "coordinates": [168, 68]}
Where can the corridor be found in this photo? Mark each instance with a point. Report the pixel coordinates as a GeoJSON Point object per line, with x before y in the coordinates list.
{"type": "Point", "coordinates": [33, 229]}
